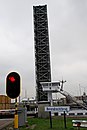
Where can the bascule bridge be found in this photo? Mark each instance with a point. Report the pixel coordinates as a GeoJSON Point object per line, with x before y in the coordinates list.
{"type": "Point", "coordinates": [42, 52]}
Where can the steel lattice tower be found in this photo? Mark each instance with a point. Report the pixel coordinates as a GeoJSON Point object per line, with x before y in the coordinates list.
{"type": "Point", "coordinates": [42, 53]}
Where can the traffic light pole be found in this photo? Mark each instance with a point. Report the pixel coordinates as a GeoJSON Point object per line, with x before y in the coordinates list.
{"type": "Point", "coordinates": [13, 91]}
{"type": "Point", "coordinates": [16, 116]}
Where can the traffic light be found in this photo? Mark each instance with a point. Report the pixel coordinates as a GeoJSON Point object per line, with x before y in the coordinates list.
{"type": "Point", "coordinates": [13, 85]}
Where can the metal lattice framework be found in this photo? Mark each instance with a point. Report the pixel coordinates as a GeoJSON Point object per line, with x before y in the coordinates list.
{"type": "Point", "coordinates": [42, 54]}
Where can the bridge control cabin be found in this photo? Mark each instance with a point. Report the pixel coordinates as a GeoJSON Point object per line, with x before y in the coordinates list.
{"type": "Point", "coordinates": [50, 86]}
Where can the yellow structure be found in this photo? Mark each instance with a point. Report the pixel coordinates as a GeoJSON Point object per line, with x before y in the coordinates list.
{"type": "Point", "coordinates": [16, 121]}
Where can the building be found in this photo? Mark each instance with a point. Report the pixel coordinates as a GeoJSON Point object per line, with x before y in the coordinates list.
{"type": "Point", "coordinates": [5, 102]}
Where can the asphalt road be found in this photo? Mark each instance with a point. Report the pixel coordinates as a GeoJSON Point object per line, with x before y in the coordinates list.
{"type": "Point", "coordinates": [5, 123]}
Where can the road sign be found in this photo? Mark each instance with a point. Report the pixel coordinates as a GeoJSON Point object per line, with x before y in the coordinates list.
{"type": "Point", "coordinates": [57, 108]}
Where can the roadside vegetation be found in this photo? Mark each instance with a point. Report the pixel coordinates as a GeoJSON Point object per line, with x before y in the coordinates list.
{"type": "Point", "coordinates": [57, 124]}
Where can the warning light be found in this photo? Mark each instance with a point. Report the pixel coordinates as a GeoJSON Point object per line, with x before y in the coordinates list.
{"type": "Point", "coordinates": [12, 79]}
{"type": "Point", "coordinates": [13, 85]}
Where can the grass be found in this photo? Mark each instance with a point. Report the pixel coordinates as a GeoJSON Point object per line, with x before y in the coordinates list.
{"type": "Point", "coordinates": [57, 124]}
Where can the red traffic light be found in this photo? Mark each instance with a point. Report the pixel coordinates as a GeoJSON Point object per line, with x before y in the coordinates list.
{"type": "Point", "coordinates": [12, 79]}
{"type": "Point", "coordinates": [13, 85]}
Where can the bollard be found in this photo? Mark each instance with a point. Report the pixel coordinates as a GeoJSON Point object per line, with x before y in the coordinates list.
{"type": "Point", "coordinates": [16, 121]}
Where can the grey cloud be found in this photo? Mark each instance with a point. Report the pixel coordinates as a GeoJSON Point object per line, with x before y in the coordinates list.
{"type": "Point", "coordinates": [67, 35]}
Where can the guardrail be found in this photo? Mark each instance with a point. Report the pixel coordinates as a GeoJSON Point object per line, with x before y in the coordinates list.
{"type": "Point", "coordinates": [79, 123]}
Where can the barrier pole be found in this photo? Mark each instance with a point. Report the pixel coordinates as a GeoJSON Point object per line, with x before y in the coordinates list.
{"type": "Point", "coordinates": [65, 119]}
{"type": "Point", "coordinates": [16, 116]}
{"type": "Point", "coordinates": [50, 119]}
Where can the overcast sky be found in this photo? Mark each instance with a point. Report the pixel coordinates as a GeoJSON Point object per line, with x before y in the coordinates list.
{"type": "Point", "coordinates": [67, 21]}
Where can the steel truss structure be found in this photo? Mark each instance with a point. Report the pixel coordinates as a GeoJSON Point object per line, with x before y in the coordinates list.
{"type": "Point", "coordinates": [42, 53]}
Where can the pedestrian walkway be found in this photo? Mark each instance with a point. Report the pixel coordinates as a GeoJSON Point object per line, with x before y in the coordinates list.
{"type": "Point", "coordinates": [6, 123]}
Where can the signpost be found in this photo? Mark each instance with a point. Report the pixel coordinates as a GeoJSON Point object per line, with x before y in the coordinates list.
{"type": "Point", "coordinates": [57, 109]}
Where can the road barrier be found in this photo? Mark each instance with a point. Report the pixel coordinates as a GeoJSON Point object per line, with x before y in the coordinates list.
{"type": "Point", "coordinates": [79, 123]}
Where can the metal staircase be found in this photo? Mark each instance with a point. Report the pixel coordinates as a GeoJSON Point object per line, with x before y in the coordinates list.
{"type": "Point", "coordinates": [72, 98]}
